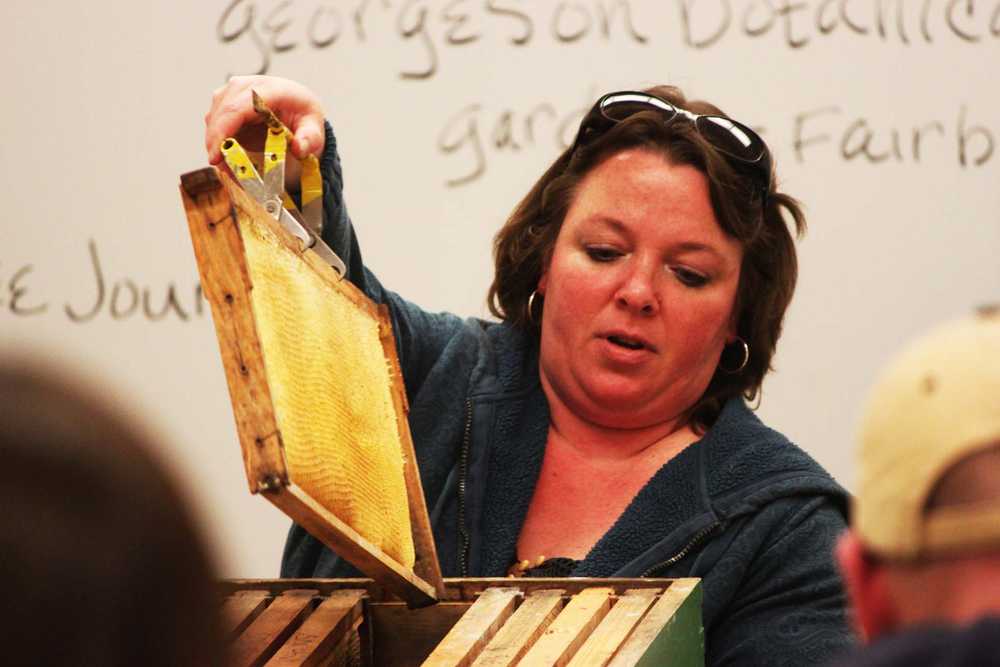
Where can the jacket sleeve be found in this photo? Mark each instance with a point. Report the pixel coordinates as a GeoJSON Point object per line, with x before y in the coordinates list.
{"type": "Point", "coordinates": [790, 608]}
{"type": "Point", "coordinates": [420, 336]}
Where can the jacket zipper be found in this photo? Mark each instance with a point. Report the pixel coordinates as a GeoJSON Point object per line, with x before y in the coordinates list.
{"type": "Point", "coordinates": [463, 531]}
{"type": "Point", "coordinates": [463, 471]}
{"type": "Point", "coordinates": [698, 537]}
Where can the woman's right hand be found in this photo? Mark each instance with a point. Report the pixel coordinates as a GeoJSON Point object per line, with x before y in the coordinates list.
{"type": "Point", "coordinates": [232, 110]}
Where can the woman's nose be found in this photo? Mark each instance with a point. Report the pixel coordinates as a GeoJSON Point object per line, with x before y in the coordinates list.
{"type": "Point", "coordinates": [637, 293]}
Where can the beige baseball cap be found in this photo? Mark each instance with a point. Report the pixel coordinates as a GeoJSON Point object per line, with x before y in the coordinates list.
{"type": "Point", "coordinates": [935, 404]}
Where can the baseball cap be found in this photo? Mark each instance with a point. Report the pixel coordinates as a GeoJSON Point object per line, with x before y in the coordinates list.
{"type": "Point", "coordinates": [934, 405]}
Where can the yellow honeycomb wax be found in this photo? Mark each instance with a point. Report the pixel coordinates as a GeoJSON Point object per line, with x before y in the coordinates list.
{"type": "Point", "coordinates": [330, 384]}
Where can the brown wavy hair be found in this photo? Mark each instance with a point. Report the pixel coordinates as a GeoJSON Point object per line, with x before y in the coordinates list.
{"type": "Point", "coordinates": [763, 224]}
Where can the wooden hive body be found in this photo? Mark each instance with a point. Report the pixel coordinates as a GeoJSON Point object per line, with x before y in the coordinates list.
{"type": "Point", "coordinates": [483, 622]}
{"type": "Point", "coordinates": [320, 622]}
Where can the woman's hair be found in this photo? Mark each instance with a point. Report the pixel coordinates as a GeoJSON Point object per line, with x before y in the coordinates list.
{"type": "Point", "coordinates": [102, 560]}
{"type": "Point", "coordinates": [524, 245]}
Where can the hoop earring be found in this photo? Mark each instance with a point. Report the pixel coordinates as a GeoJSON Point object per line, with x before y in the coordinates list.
{"type": "Point", "coordinates": [743, 362]}
{"type": "Point", "coordinates": [531, 306]}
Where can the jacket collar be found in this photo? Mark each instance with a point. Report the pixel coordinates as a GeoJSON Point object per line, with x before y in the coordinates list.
{"type": "Point", "coordinates": [736, 468]}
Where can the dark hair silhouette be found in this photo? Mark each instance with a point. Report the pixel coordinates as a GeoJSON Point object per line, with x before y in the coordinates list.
{"type": "Point", "coordinates": [101, 561]}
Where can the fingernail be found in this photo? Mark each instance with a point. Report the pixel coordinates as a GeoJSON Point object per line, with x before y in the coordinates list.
{"type": "Point", "coordinates": [304, 146]}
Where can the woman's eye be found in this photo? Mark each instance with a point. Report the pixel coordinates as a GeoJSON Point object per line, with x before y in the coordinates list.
{"type": "Point", "coordinates": [602, 254]}
{"type": "Point", "coordinates": [689, 277]}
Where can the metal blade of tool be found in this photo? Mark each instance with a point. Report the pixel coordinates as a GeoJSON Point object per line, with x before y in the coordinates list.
{"type": "Point", "coordinates": [269, 189]}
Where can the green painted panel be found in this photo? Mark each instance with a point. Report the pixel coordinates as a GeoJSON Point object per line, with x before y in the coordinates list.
{"type": "Point", "coordinates": [681, 643]}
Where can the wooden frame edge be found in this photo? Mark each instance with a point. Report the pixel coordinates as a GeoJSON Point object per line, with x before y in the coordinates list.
{"type": "Point", "coordinates": [426, 564]}
{"type": "Point", "coordinates": [660, 635]}
{"type": "Point", "coordinates": [225, 280]}
{"type": "Point", "coordinates": [212, 202]}
{"type": "Point", "coordinates": [352, 546]}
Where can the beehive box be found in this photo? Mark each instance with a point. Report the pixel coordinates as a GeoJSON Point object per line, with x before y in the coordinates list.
{"type": "Point", "coordinates": [477, 622]}
{"type": "Point", "coordinates": [318, 396]}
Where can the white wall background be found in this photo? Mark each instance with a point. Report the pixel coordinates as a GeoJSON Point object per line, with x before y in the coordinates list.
{"type": "Point", "coordinates": [103, 106]}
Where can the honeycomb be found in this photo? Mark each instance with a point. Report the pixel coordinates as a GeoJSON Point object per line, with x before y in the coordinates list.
{"type": "Point", "coordinates": [331, 388]}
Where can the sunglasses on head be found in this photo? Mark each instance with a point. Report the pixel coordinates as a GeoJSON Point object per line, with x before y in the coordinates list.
{"type": "Point", "coordinates": [733, 139]}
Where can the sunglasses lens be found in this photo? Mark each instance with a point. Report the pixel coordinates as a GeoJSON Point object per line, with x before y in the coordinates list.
{"type": "Point", "coordinates": [728, 136]}
{"type": "Point", "coordinates": [620, 106]}
{"type": "Point", "coordinates": [732, 138]}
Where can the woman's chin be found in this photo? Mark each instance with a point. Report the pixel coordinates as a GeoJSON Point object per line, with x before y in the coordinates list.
{"type": "Point", "coordinates": [626, 409]}
{"type": "Point", "coordinates": [612, 400]}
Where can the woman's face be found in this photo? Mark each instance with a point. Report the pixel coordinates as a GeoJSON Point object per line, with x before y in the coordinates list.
{"type": "Point", "coordinates": [639, 294]}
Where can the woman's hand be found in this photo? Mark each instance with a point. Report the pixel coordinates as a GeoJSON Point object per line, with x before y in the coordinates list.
{"type": "Point", "coordinates": [232, 111]}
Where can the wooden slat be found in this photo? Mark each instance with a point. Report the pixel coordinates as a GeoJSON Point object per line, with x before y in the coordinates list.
{"type": "Point", "coordinates": [426, 565]}
{"type": "Point", "coordinates": [348, 649]}
{"type": "Point", "coordinates": [326, 627]}
{"type": "Point", "coordinates": [637, 648]}
{"type": "Point", "coordinates": [240, 608]}
{"type": "Point", "coordinates": [350, 545]}
{"type": "Point", "coordinates": [605, 640]}
{"type": "Point", "coordinates": [462, 645]}
{"type": "Point", "coordinates": [405, 637]}
{"type": "Point", "coordinates": [669, 633]}
{"type": "Point", "coordinates": [226, 283]}
{"type": "Point", "coordinates": [456, 589]}
{"type": "Point", "coordinates": [468, 588]}
{"type": "Point", "coordinates": [271, 628]}
{"type": "Point", "coordinates": [568, 632]}
{"type": "Point", "coordinates": [522, 629]}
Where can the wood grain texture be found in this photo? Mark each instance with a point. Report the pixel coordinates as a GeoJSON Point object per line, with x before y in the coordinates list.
{"type": "Point", "coordinates": [467, 588]}
{"type": "Point", "coordinates": [348, 651]}
{"type": "Point", "coordinates": [642, 627]}
{"type": "Point", "coordinates": [651, 643]}
{"type": "Point", "coordinates": [570, 629]}
{"type": "Point", "coordinates": [240, 608]}
{"type": "Point", "coordinates": [607, 637]}
{"type": "Point", "coordinates": [464, 589]}
{"type": "Point", "coordinates": [463, 643]}
{"type": "Point", "coordinates": [323, 631]}
{"type": "Point", "coordinates": [271, 628]}
{"type": "Point", "coordinates": [346, 542]}
{"type": "Point", "coordinates": [522, 629]}
{"type": "Point", "coordinates": [225, 280]}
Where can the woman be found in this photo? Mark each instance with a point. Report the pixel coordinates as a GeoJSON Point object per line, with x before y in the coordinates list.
{"type": "Point", "coordinates": [600, 428]}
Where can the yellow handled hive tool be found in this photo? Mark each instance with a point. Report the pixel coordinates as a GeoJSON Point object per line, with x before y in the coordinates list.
{"type": "Point", "coordinates": [305, 225]}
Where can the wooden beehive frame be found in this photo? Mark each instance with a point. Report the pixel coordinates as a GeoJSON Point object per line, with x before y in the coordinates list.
{"type": "Point", "coordinates": [214, 204]}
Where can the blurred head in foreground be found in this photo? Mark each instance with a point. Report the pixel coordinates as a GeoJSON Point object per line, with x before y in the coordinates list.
{"type": "Point", "coordinates": [101, 562]}
{"type": "Point", "coordinates": [924, 545]}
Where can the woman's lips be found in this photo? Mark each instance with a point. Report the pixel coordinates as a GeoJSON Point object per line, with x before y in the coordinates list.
{"type": "Point", "coordinates": [628, 340]}
{"type": "Point", "coordinates": [625, 349]}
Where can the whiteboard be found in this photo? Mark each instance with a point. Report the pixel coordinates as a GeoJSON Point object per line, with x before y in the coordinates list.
{"type": "Point", "coordinates": [882, 115]}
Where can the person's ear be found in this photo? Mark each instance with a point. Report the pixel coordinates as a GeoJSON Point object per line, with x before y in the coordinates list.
{"type": "Point", "coordinates": [543, 281]}
{"type": "Point", "coordinates": [867, 588]}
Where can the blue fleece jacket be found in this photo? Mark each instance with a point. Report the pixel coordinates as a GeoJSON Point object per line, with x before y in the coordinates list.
{"type": "Point", "coordinates": [744, 509]}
